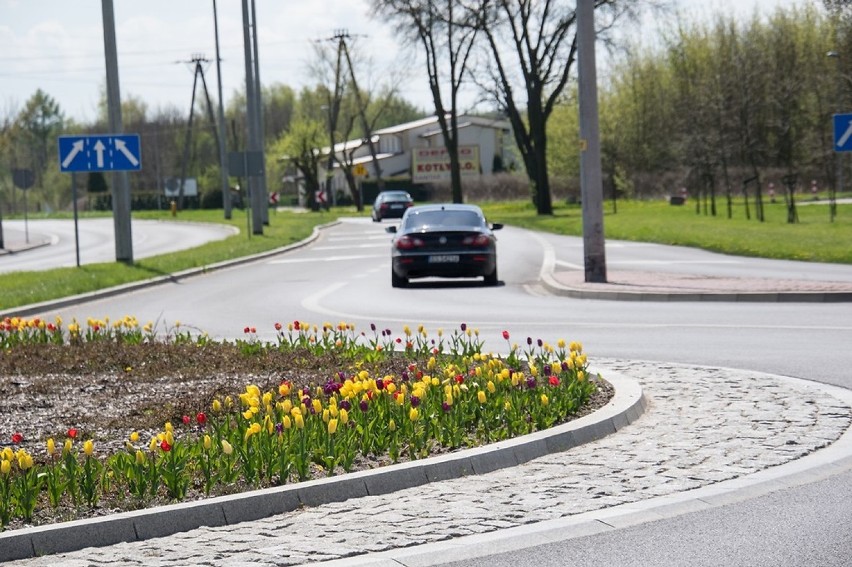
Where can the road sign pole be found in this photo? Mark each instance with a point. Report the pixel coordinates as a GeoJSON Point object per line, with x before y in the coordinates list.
{"type": "Point", "coordinates": [76, 231]}
{"type": "Point", "coordinates": [120, 185]}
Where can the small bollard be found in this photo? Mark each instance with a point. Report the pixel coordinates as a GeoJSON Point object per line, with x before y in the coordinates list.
{"type": "Point", "coordinates": [173, 208]}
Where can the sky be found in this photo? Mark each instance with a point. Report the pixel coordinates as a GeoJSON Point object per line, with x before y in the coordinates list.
{"type": "Point", "coordinates": [57, 45]}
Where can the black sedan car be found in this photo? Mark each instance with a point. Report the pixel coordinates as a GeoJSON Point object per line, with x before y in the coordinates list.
{"type": "Point", "coordinates": [391, 205]}
{"type": "Point", "coordinates": [448, 241]}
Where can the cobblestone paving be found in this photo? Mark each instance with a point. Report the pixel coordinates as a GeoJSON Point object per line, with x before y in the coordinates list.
{"type": "Point", "coordinates": [703, 425]}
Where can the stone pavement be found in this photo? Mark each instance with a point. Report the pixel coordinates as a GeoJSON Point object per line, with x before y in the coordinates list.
{"type": "Point", "coordinates": [635, 285]}
{"type": "Point", "coordinates": [700, 429]}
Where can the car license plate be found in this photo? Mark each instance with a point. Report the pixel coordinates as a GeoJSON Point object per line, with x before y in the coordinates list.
{"type": "Point", "coordinates": [396, 206]}
{"type": "Point", "coordinates": [444, 259]}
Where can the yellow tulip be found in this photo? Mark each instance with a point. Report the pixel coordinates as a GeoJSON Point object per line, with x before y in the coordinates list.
{"type": "Point", "coordinates": [300, 421]}
{"type": "Point", "coordinates": [544, 400]}
{"type": "Point", "coordinates": [287, 422]}
{"type": "Point", "coordinates": [140, 457]}
{"type": "Point", "coordinates": [480, 395]}
{"type": "Point", "coordinates": [332, 426]}
{"type": "Point", "coordinates": [66, 448]}
{"type": "Point", "coordinates": [491, 387]}
{"type": "Point", "coordinates": [392, 425]}
{"type": "Point", "coordinates": [51, 447]}
{"type": "Point", "coordinates": [413, 414]}
{"type": "Point", "coordinates": [25, 461]}
{"type": "Point", "coordinates": [134, 437]}
{"type": "Point", "coordinates": [227, 448]}
{"type": "Point", "coordinates": [152, 446]}
{"type": "Point", "coordinates": [5, 467]}
{"type": "Point", "coordinates": [169, 427]}
{"type": "Point", "coordinates": [217, 406]}
{"type": "Point", "coordinates": [344, 416]}
{"type": "Point", "coordinates": [89, 447]}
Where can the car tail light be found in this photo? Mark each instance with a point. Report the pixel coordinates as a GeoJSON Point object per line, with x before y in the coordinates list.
{"type": "Point", "coordinates": [408, 242]}
{"type": "Point", "coordinates": [478, 240]}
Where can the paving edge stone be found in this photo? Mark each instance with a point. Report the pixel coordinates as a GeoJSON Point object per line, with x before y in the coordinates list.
{"type": "Point", "coordinates": [626, 406]}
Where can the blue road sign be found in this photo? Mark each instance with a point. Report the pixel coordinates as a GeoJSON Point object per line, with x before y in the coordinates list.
{"type": "Point", "coordinates": [843, 132]}
{"type": "Point", "coordinates": [101, 152]}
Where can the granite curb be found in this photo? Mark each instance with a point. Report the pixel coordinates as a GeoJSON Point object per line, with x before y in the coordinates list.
{"type": "Point", "coordinates": [627, 405]}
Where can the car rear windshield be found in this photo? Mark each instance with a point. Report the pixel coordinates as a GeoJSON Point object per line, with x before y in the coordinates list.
{"type": "Point", "coordinates": [396, 197]}
{"type": "Point", "coordinates": [448, 219]}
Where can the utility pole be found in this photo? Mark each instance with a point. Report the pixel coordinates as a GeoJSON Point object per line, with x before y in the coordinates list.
{"type": "Point", "coordinates": [257, 195]}
{"type": "Point", "coordinates": [591, 184]}
{"type": "Point", "coordinates": [197, 60]}
{"type": "Point", "coordinates": [333, 114]}
{"type": "Point", "coordinates": [258, 116]}
{"type": "Point", "coordinates": [223, 161]}
{"type": "Point", "coordinates": [120, 185]}
{"type": "Point", "coordinates": [368, 133]}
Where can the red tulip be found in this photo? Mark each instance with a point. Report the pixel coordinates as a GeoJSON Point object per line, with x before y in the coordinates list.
{"type": "Point", "coordinates": [17, 438]}
{"type": "Point", "coordinates": [201, 419]}
{"type": "Point", "coordinates": [506, 335]}
{"type": "Point", "coordinates": [554, 380]}
{"type": "Point", "coordinates": [72, 433]}
{"type": "Point", "coordinates": [185, 420]}
{"type": "Point", "coordinates": [164, 445]}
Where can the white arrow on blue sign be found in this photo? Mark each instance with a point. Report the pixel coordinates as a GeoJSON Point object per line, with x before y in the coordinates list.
{"type": "Point", "coordinates": [843, 132]}
{"type": "Point", "coordinates": [101, 152]}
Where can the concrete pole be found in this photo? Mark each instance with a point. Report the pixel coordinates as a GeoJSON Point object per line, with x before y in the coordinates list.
{"type": "Point", "coordinates": [255, 198]}
{"type": "Point", "coordinates": [223, 161]}
{"type": "Point", "coordinates": [258, 117]}
{"type": "Point", "coordinates": [591, 183]}
{"type": "Point", "coordinates": [120, 185]}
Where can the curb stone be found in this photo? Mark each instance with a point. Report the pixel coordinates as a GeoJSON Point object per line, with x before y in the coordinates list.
{"type": "Point", "coordinates": [626, 406]}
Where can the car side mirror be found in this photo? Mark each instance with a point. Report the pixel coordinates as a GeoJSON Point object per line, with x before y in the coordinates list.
{"type": "Point", "coordinates": [497, 226]}
{"type": "Point", "coordinates": [391, 229]}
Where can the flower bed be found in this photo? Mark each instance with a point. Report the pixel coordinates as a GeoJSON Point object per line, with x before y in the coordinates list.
{"type": "Point", "coordinates": [220, 417]}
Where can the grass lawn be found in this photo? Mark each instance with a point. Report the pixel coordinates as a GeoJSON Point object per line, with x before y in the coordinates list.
{"type": "Point", "coordinates": [813, 238]}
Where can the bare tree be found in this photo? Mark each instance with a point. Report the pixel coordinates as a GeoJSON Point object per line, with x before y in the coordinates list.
{"type": "Point", "coordinates": [446, 31]}
{"type": "Point", "coordinates": [532, 47]}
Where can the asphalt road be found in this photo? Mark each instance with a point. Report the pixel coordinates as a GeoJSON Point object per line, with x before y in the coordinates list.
{"type": "Point", "coordinates": [345, 276]}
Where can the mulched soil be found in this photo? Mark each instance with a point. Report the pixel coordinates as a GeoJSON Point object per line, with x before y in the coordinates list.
{"type": "Point", "coordinates": [108, 390]}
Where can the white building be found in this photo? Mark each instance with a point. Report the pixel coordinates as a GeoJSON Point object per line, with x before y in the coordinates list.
{"type": "Point", "coordinates": [416, 151]}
